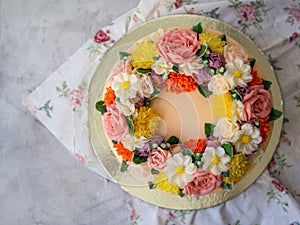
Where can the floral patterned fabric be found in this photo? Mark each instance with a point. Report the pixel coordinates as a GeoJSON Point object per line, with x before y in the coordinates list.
{"type": "Point", "coordinates": [60, 103]}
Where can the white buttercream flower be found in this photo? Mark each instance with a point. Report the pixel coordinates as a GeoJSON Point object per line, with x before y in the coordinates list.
{"type": "Point", "coordinates": [237, 73]}
{"type": "Point", "coordinates": [157, 34]}
{"type": "Point", "coordinates": [162, 67]}
{"type": "Point", "coordinates": [125, 106]}
{"type": "Point", "coordinates": [126, 85]}
{"type": "Point", "coordinates": [132, 142]}
{"type": "Point", "coordinates": [190, 68]}
{"type": "Point", "coordinates": [247, 139]}
{"type": "Point", "coordinates": [215, 160]}
{"type": "Point", "coordinates": [237, 111]}
{"type": "Point", "coordinates": [225, 129]}
{"type": "Point", "coordinates": [218, 84]}
{"type": "Point", "coordinates": [180, 169]}
{"type": "Point", "coordinates": [146, 86]}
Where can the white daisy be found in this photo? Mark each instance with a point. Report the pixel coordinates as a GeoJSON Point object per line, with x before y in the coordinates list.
{"type": "Point", "coordinates": [162, 67]}
{"type": "Point", "coordinates": [190, 68]}
{"type": "Point", "coordinates": [180, 169]}
{"type": "Point", "coordinates": [126, 85]}
{"type": "Point", "coordinates": [247, 139]}
{"type": "Point", "coordinates": [215, 160]}
{"type": "Point", "coordinates": [132, 142]}
{"type": "Point", "coordinates": [237, 73]}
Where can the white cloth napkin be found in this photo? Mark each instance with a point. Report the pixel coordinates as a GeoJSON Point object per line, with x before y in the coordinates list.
{"type": "Point", "coordinates": [60, 103]}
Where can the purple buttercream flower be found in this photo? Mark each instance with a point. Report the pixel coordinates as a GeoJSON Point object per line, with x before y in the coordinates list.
{"type": "Point", "coordinates": [138, 101]}
{"type": "Point", "coordinates": [175, 148]}
{"type": "Point", "coordinates": [156, 79]}
{"type": "Point", "coordinates": [213, 142]}
{"type": "Point", "coordinates": [157, 138]}
{"type": "Point", "coordinates": [203, 77]}
{"type": "Point", "coordinates": [215, 60]}
{"type": "Point", "coordinates": [145, 150]}
{"type": "Point", "coordinates": [243, 90]}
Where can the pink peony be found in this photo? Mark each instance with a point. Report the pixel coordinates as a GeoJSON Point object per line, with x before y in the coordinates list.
{"type": "Point", "coordinates": [123, 66]}
{"type": "Point", "coordinates": [115, 123]}
{"type": "Point", "coordinates": [233, 52]}
{"type": "Point", "coordinates": [158, 159]}
{"type": "Point", "coordinates": [204, 182]}
{"type": "Point", "coordinates": [101, 36]}
{"type": "Point", "coordinates": [257, 103]}
{"type": "Point", "coordinates": [246, 14]}
{"type": "Point", "coordinates": [76, 98]}
{"type": "Point", "coordinates": [179, 46]}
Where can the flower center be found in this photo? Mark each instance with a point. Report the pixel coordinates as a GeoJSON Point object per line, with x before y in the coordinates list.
{"type": "Point", "coordinates": [246, 139]}
{"type": "Point", "coordinates": [238, 73]}
{"type": "Point", "coordinates": [125, 85]}
{"type": "Point", "coordinates": [179, 170]}
{"type": "Point", "coordinates": [215, 160]}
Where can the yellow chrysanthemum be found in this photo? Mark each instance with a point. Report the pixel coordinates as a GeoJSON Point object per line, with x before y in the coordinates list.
{"type": "Point", "coordinates": [161, 181]}
{"type": "Point", "coordinates": [222, 106]}
{"type": "Point", "coordinates": [143, 55]}
{"type": "Point", "coordinates": [213, 41]}
{"type": "Point", "coordinates": [145, 122]}
{"type": "Point", "coordinates": [239, 165]}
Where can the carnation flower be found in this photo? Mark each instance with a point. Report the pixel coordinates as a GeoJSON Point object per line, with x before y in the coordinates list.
{"type": "Point", "coordinates": [126, 85]}
{"type": "Point", "coordinates": [237, 73]}
{"type": "Point", "coordinates": [180, 169]}
{"type": "Point", "coordinates": [215, 160]}
{"type": "Point", "coordinates": [247, 139]}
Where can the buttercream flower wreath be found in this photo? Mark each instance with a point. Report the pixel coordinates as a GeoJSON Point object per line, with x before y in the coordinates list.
{"type": "Point", "coordinates": [181, 60]}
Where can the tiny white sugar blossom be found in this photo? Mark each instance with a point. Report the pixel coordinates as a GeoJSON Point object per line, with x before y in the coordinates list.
{"type": "Point", "coordinates": [215, 160]}
{"type": "Point", "coordinates": [132, 142]}
{"type": "Point", "coordinates": [180, 169]}
{"type": "Point", "coordinates": [190, 68]}
{"type": "Point", "coordinates": [126, 85]}
{"type": "Point", "coordinates": [162, 67]}
{"type": "Point", "coordinates": [247, 139]}
{"type": "Point", "coordinates": [237, 73]}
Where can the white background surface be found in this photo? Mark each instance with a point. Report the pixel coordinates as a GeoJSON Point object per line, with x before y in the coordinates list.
{"type": "Point", "coordinates": [40, 182]}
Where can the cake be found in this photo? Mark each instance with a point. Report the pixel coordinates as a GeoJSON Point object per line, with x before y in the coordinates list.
{"type": "Point", "coordinates": [187, 110]}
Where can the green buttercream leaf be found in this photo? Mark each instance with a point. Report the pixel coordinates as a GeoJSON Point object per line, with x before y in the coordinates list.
{"type": "Point", "coordinates": [202, 50]}
{"type": "Point", "coordinates": [137, 159]}
{"type": "Point", "coordinates": [130, 124]}
{"type": "Point", "coordinates": [209, 129]}
{"type": "Point", "coordinates": [188, 152]}
{"type": "Point", "coordinates": [124, 55]}
{"type": "Point", "coordinates": [151, 185]}
{"type": "Point", "coordinates": [225, 174]}
{"type": "Point", "coordinates": [175, 68]}
{"type": "Point", "coordinates": [274, 114]}
{"type": "Point", "coordinates": [154, 171]}
{"type": "Point", "coordinates": [173, 140]}
{"type": "Point", "coordinates": [124, 166]}
{"type": "Point", "coordinates": [143, 71]}
{"type": "Point", "coordinates": [181, 194]}
{"type": "Point", "coordinates": [226, 186]}
{"type": "Point", "coordinates": [100, 107]}
{"type": "Point", "coordinates": [198, 28]}
{"type": "Point", "coordinates": [267, 84]}
{"type": "Point", "coordinates": [228, 149]}
{"type": "Point", "coordinates": [114, 142]}
{"type": "Point", "coordinates": [252, 62]}
{"type": "Point", "coordinates": [204, 91]}
{"type": "Point", "coordinates": [223, 37]}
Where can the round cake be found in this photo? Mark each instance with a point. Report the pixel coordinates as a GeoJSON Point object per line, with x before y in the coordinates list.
{"type": "Point", "coordinates": [187, 110]}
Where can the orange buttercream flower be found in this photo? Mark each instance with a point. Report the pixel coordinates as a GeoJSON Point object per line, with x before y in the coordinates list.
{"type": "Point", "coordinates": [264, 127]}
{"type": "Point", "coordinates": [195, 145]}
{"type": "Point", "coordinates": [109, 96]}
{"type": "Point", "coordinates": [177, 83]}
{"type": "Point", "coordinates": [124, 152]}
{"type": "Point", "coordinates": [255, 79]}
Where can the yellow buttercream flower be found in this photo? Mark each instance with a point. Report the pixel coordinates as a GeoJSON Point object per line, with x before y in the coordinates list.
{"type": "Point", "coordinates": [161, 181]}
{"type": "Point", "coordinates": [213, 41]}
{"type": "Point", "coordinates": [239, 165]}
{"type": "Point", "coordinates": [222, 105]}
{"type": "Point", "coordinates": [143, 55]}
{"type": "Point", "coordinates": [145, 122]}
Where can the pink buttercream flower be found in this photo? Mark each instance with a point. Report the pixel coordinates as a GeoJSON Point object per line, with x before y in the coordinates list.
{"type": "Point", "coordinates": [233, 52]}
{"type": "Point", "coordinates": [76, 98]}
{"type": "Point", "coordinates": [158, 159]}
{"type": "Point", "coordinates": [246, 14]}
{"type": "Point", "coordinates": [123, 66]}
{"type": "Point", "coordinates": [115, 123]}
{"type": "Point", "coordinates": [257, 103]}
{"type": "Point", "coordinates": [101, 36]}
{"type": "Point", "coordinates": [179, 46]}
{"type": "Point", "coordinates": [204, 182]}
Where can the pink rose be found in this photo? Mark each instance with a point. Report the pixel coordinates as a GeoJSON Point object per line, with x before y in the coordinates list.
{"type": "Point", "coordinates": [246, 14]}
{"type": "Point", "coordinates": [76, 97]}
{"type": "Point", "coordinates": [233, 52]}
{"type": "Point", "coordinates": [257, 103]}
{"type": "Point", "coordinates": [115, 123]}
{"type": "Point", "coordinates": [158, 158]}
{"type": "Point", "coordinates": [123, 66]}
{"type": "Point", "coordinates": [204, 182]}
{"type": "Point", "coordinates": [178, 46]}
{"type": "Point", "coordinates": [101, 36]}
